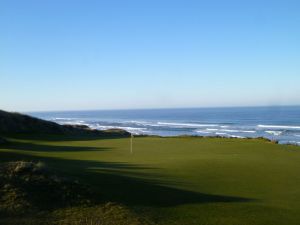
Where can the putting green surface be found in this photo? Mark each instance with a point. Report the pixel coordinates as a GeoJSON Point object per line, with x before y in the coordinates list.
{"type": "Point", "coordinates": [182, 180]}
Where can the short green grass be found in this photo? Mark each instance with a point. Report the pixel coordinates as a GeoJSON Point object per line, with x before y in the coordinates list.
{"type": "Point", "coordinates": [178, 180]}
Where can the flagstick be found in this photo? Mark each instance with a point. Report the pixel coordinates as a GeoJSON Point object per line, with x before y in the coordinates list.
{"type": "Point", "coordinates": [131, 151]}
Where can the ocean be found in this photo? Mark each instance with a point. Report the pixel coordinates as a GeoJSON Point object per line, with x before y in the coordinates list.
{"type": "Point", "coordinates": [275, 123]}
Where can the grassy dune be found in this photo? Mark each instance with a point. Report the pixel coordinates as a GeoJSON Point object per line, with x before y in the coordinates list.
{"type": "Point", "coordinates": [182, 180]}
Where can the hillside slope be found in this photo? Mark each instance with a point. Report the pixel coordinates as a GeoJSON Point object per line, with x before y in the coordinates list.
{"type": "Point", "coordinates": [19, 123]}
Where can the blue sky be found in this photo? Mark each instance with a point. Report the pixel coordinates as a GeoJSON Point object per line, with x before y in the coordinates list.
{"type": "Point", "coordinates": [69, 55]}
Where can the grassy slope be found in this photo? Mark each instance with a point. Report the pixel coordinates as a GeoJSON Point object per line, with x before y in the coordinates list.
{"type": "Point", "coordinates": [180, 180]}
{"type": "Point", "coordinates": [21, 123]}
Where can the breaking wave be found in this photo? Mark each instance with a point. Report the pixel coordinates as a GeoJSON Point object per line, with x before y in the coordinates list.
{"type": "Point", "coordinates": [191, 125]}
{"type": "Point", "coordinates": [279, 127]}
{"type": "Point", "coordinates": [273, 132]}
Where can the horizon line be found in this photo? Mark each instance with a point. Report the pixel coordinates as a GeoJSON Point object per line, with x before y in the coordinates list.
{"type": "Point", "coordinates": [158, 108]}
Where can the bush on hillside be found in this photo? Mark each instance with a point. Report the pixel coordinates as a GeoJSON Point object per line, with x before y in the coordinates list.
{"type": "Point", "coordinates": [3, 141]}
{"type": "Point", "coordinates": [29, 186]}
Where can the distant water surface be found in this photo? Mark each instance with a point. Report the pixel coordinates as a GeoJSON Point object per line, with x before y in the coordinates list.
{"type": "Point", "coordinates": [276, 123]}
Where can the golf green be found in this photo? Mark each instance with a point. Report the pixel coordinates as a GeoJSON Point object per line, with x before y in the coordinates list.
{"type": "Point", "coordinates": [179, 180]}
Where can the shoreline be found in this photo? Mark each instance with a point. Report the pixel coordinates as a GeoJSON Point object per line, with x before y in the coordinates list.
{"type": "Point", "coordinates": [217, 136]}
{"type": "Point", "coordinates": [277, 125]}
{"type": "Point", "coordinates": [274, 141]}
{"type": "Point", "coordinates": [222, 137]}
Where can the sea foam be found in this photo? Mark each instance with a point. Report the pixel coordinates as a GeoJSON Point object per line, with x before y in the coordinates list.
{"type": "Point", "coordinates": [191, 125]}
{"type": "Point", "coordinates": [279, 126]}
{"type": "Point", "coordinates": [276, 133]}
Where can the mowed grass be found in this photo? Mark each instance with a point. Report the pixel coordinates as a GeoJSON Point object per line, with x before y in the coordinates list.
{"type": "Point", "coordinates": [179, 180]}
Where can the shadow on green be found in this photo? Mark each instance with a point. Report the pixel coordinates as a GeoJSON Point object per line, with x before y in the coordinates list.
{"type": "Point", "coordinates": [60, 137]}
{"type": "Point", "coordinates": [114, 181]}
{"type": "Point", "coordinates": [26, 146]}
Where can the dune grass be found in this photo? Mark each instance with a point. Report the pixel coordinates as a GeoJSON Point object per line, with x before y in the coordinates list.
{"type": "Point", "coordinates": [178, 180]}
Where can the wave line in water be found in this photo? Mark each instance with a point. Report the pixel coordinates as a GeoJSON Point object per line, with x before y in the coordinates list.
{"type": "Point", "coordinates": [191, 125]}
{"type": "Point", "coordinates": [203, 132]}
{"type": "Point", "coordinates": [276, 133]}
{"type": "Point", "coordinates": [278, 126]}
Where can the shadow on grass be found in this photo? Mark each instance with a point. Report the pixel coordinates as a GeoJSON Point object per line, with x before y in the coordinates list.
{"type": "Point", "coordinates": [118, 182]}
{"type": "Point", "coordinates": [60, 137]}
{"type": "Point", "coordinates": [133, 191]}
{"type": "Point", "coordinates": [26, 146]}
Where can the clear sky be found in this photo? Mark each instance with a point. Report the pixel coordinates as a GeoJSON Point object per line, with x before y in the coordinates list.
{"type": "Point", "coordinates": [69, 55]}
